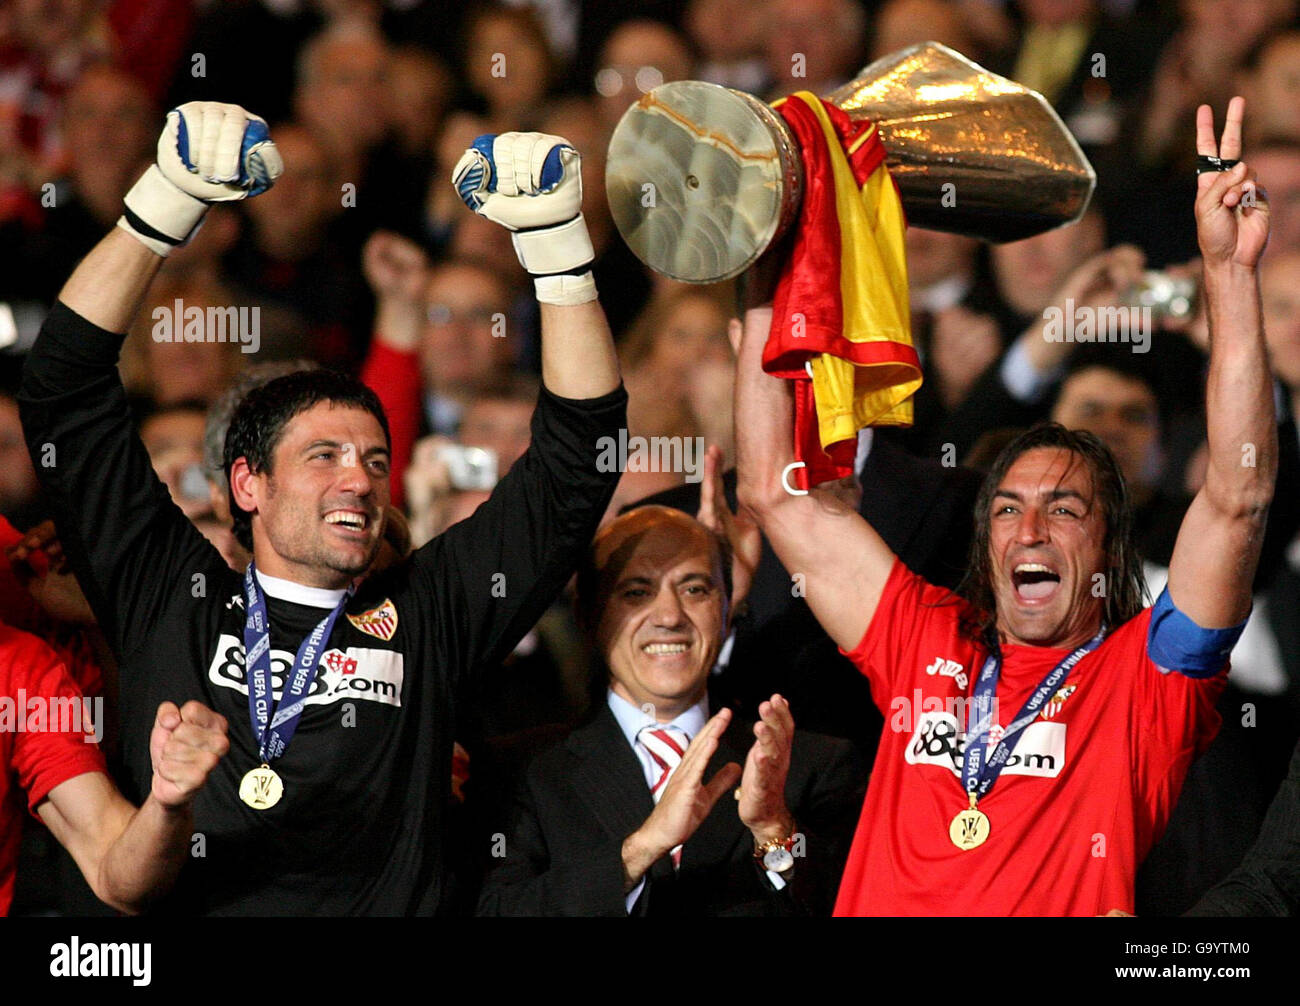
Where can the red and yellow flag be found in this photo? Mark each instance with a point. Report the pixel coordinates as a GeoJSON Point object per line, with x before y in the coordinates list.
{"type": "Point", "coordinates": [841, 326]}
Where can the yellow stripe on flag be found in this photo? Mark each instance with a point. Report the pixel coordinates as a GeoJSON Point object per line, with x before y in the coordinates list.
{"type": "Point", "coordinates": [873, 284]}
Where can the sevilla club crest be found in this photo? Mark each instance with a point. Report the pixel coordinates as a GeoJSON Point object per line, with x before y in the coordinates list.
{"type": "Point", "coordinates": [1056, 701]}
{"type": "Point", "coordinates": [380, 622]}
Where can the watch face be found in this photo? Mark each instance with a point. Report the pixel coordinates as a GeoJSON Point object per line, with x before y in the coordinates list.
{"type": "Point", "coordinates": [778, 860]}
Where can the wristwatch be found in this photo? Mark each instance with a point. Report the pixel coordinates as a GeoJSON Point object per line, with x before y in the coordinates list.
{"type": "Point", "coordinates": [776, 855]}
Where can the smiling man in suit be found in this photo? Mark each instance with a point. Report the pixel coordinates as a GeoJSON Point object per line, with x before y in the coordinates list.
{"type": "Point", "coordinates": [921, 508]}
{"type": "Point", "coordinates": [633, 813]}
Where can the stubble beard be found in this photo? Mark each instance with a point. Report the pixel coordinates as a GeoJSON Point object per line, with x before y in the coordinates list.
{"type": "Point", "coordinates": [309, 549]}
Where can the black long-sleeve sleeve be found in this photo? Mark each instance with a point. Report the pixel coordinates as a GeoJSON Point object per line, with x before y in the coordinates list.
{"type": "Point", "coordinates": [1284, 514]}
{"type": "Point", "coordinates": [133, 550]}
{"type": "Point", "coordinates": [495, 573]}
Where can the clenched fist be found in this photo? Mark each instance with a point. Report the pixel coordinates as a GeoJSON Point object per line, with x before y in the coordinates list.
{"type": "Point", "coordinates": [208, 153]}
{"type": "Point", "coordinates": [394, 267]}
{"type": "Point", "coordinates": [397, 271]}
{"type": "Point", "coordinates": [218, 152]}
{"type": "Point", "coordinates": [185, 746]}
{"type": "Point", "coordinates": [531, 184]}
{"type": "Point", "coordinates": [521, 181]}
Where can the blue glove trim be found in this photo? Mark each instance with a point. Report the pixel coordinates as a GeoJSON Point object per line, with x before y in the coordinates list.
{"type": "Point", "coordinates": [1176, 643]}
{"type": "Point", "coordinates": [183, 141]}
{"type": "Point", "coordinates": [252, 171]}
{"type": "Point", "coordinates": [552, 169]}
{"type": "Point", "coordinates": [483, 144]}
{"type": "Point", "coordinates": [470, 183]}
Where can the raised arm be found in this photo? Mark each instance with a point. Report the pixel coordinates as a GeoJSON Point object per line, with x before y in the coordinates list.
{"type": "Point", "coordinates": [820, 536]}
{"type": "Point", "coordinates": [1219, 542]}
{"type": "Point", "coordinates": [109, 285]}
{"type": "Point", "coordinates": [531, 184]}
{"type": "Point", "coordinates": [498, 571]}
{"type": "Point", "coordinates": [397, 271]}
{"type": "Point", "coordinates": [78, 426]}
{"type": "Point", "coordinates": [208, 152]}
{"type": "Point", "coordinates": [578, 358]}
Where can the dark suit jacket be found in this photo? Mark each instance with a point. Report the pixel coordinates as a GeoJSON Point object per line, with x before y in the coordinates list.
{"type": "Point", "coordinates": [923, 510]}
{"type": "Point", "coordinates": [1268, 880]}
{"type": "Point", "coordinates": [579, 799]}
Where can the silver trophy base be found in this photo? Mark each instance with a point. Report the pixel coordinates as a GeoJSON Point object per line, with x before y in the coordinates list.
{"type": "Point", "coordinates": [701, 179]}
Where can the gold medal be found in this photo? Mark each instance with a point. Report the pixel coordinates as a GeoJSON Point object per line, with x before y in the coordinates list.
{"type": "Point", "coordinates": [261, 788]}
{"type": "Point", "coordinates": [970, 828]}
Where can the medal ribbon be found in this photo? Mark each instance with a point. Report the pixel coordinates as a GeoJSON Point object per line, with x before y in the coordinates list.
{"type": "Point", "coordinates": [273, 732]}
{"type": "Point", "coordinates": [977, 776]}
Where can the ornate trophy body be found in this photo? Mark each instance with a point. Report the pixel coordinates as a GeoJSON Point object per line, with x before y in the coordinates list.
{"type": "Point", "coordinates": [703, 179]}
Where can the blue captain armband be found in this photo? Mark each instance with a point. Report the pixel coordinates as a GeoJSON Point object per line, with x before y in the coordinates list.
{"type": "Point", "coordinates": [1176, 643]}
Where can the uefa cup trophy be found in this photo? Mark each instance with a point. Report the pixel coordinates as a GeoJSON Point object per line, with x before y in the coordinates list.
{"type": "Point", "coordinates": [703, 179]}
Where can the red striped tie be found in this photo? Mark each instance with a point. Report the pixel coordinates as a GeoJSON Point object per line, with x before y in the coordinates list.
{"type": "Point", "coordinates": [666, 746]}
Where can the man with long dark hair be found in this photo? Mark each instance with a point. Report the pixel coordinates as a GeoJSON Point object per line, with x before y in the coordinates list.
{"type": "Point", "coordinates": [1039, 722]}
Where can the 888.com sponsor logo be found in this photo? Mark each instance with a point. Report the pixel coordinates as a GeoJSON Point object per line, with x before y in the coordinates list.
{"type": "Point", "coordinates": [939, 740]}
{"type": "Point", "coordinates": [356, 673]}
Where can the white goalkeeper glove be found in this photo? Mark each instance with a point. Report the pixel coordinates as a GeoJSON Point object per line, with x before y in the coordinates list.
{"type": "Point", "coordinates": [208, 153]}
{"type": "Point", "coordinates": [531, 184]}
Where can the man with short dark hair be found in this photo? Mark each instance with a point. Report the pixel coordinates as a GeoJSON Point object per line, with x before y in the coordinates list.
{"type": "Point", "coordinates": [341, 689]}
{"type": "Point", "coordinates": [1039, 725]}
{"type": "Point", "coordinates": [632, 814]}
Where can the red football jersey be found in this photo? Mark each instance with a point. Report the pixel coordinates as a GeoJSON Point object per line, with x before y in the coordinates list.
{"type": "Point", "coordinates": [41, 755]}
{"type": "Point", "coordinates": [1087, 790]}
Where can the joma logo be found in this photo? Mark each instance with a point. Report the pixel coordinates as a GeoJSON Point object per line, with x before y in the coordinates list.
{"type": "Point", "coordinates": [949, 669]}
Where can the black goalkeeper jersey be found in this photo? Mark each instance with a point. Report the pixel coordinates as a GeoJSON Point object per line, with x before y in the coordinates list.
{"type": "Point", "coordinates": [367, 776]}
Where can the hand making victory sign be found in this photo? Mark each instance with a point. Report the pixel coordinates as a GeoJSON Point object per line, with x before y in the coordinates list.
{"type": "Point", "coordinates": [1227, 516]}
{"type": "Point", "coordinates": [1231, 209]}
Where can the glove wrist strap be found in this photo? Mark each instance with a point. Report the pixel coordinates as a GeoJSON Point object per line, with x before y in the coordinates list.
{"type": "Point", "coordinates": [158, 214]}
{"type": "Point", "coordinates": [565, 289]}
{"type": "Point", "coordinates": [546, 251]}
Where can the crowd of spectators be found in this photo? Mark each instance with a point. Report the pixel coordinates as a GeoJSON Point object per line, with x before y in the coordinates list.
{"type": "Point", "coordinates": [362, 257]}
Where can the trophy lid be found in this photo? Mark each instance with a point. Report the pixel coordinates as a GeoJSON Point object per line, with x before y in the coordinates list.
{"type": "Point", "coordinates": [700, 179]}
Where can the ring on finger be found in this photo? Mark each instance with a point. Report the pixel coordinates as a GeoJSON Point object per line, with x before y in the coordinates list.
{"type": "Point", "coordinates": [1208, 162]}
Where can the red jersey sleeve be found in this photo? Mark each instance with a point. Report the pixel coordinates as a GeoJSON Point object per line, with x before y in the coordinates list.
{"type": "Point", "coordinates": [52, 738]}
{"type": "Point", "coordinates": [910, 611]}
{"type": "Point", "coordinates": [394, 376]}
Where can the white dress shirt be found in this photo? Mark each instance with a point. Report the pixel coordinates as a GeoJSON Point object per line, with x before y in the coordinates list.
{"type": "Point", "coordinates": [631, 720]}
